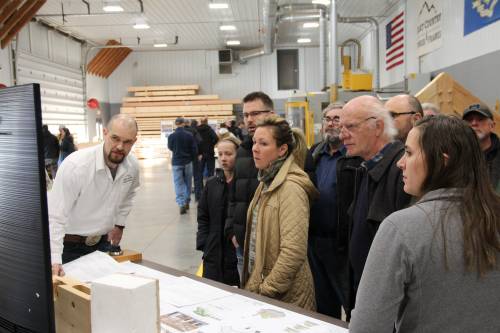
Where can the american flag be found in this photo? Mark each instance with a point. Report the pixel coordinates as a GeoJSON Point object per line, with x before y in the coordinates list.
{"type": "Point", "coordinates": [394, 41]}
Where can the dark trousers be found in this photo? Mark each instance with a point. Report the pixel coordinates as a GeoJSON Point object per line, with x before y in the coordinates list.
{"type": "Point", "coordinates": [320, 251]}
{"type": "Point", "coordinates": [73, 251]}
{"type": "Point", "coordinates": [209, 164]}
{"type": "Point", "coordinates": [197, 179]}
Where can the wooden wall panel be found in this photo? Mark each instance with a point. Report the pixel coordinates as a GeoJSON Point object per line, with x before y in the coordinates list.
{"type": "Point", "coordinates": [107, 60]}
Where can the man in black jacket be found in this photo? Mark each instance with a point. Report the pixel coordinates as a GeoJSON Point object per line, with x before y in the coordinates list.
{"type": "Point", "coordinates": [51, 151]}
{"type": "Point", "coordinates": [370, 177]}
{"type": "Point", "coordinates": [208, 141]}
{"type": "Point", "coordinates": [256, 106]}
{"type": "Point", "coordinates": [481, 121]}
{"type": "Point", "coordinates": [321, 247]}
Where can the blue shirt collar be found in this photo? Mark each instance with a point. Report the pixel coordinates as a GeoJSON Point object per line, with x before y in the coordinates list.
{"type": "Point", "coordinates": [370, 164]}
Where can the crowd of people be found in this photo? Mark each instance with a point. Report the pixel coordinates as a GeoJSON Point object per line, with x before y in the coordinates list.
{"type": "Point", "coordinates": [392, 218]}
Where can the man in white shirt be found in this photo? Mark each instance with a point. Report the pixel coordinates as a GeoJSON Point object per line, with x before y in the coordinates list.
{"type": "Point", "coordinates": [92, 195]}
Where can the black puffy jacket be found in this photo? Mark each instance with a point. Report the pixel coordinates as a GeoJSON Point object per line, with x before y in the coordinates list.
{"type": "Point", "coordinates": [219, 255]}
{"type": "Point", "coordinates": [241, 192]}
{"type": "Point", "coordinates": [208, 141]}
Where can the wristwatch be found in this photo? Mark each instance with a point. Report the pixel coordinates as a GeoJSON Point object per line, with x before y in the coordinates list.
{"type": "Point", "coordinates": [121, 227]}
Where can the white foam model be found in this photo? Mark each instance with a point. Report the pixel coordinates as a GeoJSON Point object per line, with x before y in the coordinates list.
{"type": "Point", "coordinates": [125, 304]}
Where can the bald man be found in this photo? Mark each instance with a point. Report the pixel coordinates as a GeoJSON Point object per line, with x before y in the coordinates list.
{"type": "Point", "coordinates": [369, 185]}
{"type": "Point", "coordinates": [92, 195]}
{"type": "Point", "coordinates": [405, 110]}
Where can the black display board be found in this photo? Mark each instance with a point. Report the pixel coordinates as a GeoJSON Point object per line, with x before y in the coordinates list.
{"type": "Point", "coordinates": [26, 303]}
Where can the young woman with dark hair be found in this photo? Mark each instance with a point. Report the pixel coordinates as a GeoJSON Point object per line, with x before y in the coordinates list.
{"type": "Point", "coordinates": [434, 267]}
{"type": "Point", "coordinates": [275, 255]}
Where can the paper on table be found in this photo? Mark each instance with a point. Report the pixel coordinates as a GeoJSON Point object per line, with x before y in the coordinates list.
{"type": "Point", "coordinates": [185, 291]}
{"type": "Point", "coordinates": [238, 313]}
{"type": "Point", "coordinates": [93, 266]}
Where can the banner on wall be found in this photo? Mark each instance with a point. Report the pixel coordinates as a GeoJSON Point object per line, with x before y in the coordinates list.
{"type": "Point", "coordinates": [395, 41]}
{"type": "Point", "coordinates": [480, 13]}
{"type": "Point", "coordinates": [429, 33]}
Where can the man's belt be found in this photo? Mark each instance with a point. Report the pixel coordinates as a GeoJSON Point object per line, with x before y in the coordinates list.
{"type": "Point", "coordinates": [87, 240]}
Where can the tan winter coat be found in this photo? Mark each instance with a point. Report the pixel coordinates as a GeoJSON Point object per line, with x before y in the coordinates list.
{"type": "Point", "coordinates": [281, 269]}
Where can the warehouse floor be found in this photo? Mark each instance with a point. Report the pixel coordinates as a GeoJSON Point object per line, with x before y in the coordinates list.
{"type": "Point", "coordinates": [155, 227]}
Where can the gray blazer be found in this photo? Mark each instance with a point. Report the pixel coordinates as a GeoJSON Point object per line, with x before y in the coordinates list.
{"type": "Point", "coordinates": [405, 283]}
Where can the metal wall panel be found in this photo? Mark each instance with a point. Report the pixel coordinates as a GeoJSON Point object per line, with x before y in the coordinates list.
{"type": "Point", "coordinates": [38, 39]}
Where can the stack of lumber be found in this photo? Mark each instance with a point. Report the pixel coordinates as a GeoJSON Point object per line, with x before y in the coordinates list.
{"type": "Point", "coordinates": [451, 97]}
{"type": "Point", "coordinates": [152, 105]}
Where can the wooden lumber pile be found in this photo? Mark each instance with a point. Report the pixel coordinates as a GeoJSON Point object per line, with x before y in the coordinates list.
{"type": "Point", "coordinates": [154, 105]}
{"type": "Point", "coordinates": [451, 97]}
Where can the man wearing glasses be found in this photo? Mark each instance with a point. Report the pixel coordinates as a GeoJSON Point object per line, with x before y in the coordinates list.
{"type": "Point", "coordinates": [92, 195]}
{"type": "Point", "coordinates": [370, 182]}
{"type": "Point", "coordinates": [256, 106]}
{"type": "Point", "coordinates": [405, 110]}
{"type": "Point", "coordinates": [322, 243]}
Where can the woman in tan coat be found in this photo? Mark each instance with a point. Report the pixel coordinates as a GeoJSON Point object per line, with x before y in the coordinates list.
{"type": "Point", "coordinates": [275, 256]}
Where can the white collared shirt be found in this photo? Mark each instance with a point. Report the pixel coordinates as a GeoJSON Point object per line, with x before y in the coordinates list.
{"type": "Point", "coordinates": [85, 200]}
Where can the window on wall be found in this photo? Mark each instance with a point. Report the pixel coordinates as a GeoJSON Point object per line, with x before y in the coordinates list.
{"type": "Point", "coordinates": [288, 69]}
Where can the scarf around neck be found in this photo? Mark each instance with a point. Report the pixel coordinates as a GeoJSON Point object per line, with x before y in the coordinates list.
{"type": "Point", "coordinates": [267, 175]}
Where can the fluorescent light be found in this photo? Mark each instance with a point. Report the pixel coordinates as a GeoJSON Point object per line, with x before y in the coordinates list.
{"type": "Point", "coordinates": [233, 42]}
{"type": "Point", "coordinates": [218, 5]}
{"type": "Point", "coordinates": [141, 26]}
{"type": "Point", "coordinates": [310, 25]}
{"type": "Point", "coordinates": [160, 45]}
{"type": "Point", "coordinates": [112, 8]}
{"type": "Point", "coordinates": [321, 2]}
{"type": "Point", "coordinates": [303, 40]}
{"type": "Point", "coordinates": [227, 27]}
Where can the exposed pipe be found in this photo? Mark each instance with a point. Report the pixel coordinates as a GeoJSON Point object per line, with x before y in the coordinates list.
{"type": "Point", "coordinates": [64, 15]}
{"type": "Point", "coordinates": [374, 23]}
{"type": "Point", "coordinates": [268, 13]}
{"type": "Point", "coordinates": [322, 48]}
{"type": "Point", "coordinates": [358, 44]}
{"type": "Point", "coordinates": [88, 6]}
{"type": "Point", "coordinates": [333, 51]}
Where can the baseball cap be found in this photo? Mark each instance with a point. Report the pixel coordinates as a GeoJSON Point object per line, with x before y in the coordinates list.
{"type": "Point", "coordinates": [179, 120]}
{"type": "Point", "coordinates": [479, 108]}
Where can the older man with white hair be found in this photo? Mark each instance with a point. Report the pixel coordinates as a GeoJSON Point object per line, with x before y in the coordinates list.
{"type": "Point", "coordinates": [369, 180]}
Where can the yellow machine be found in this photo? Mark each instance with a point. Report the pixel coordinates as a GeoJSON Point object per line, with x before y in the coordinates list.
{"type": "Point", "coordinates": [298, 115]}
{"type": "Point", "coordinates": [358, 80]}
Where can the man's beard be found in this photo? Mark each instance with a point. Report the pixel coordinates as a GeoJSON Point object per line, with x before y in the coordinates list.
{"type": "Point", "coordinates": [116, 160]}
{"type": "Point", "coordinates": [333, 138]}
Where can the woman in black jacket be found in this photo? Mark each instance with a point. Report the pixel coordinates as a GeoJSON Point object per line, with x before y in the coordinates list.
{"type": "Point", "coordinates": [67, 144]}
{"type": "Point", "coordinates": [219, 256]}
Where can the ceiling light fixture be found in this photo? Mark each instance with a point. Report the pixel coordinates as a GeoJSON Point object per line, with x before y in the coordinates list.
{"type": "Point", "coordinates": [308, 25]}
{"type": "Point", "coordinates": [112, 6]}
{"type": "Point", "coordinates": [160, 45]}
{"type": "Point", "coordinates": [303, 40]}
{"type": "Point", "coordinates": [218, 5]}
{"type": "Point", "coordinates": [321, 2]}
{"type": "Point", "coordinates": [141, 26]}
{"type": "Point", "coordinates": [227, 28]}
{"type": "Point", "coordinates": [233, 42]}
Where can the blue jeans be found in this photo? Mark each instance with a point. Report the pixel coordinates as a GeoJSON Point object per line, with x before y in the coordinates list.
{"type": "Point", "coordinates": [239, 256]}
{"type": "Point", "coordinates": [182, 183]}
{"type": "Point", "coordinates": [207, 166]}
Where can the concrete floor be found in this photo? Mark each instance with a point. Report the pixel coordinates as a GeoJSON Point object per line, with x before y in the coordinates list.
{"type": "Point", "coordinates": [155, 227]}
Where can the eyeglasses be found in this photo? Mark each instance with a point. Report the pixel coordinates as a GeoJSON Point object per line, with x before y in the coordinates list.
{"type": "Point", "coordinates": [396, 114]}
{"type": "Point", "coordinates": [351, 127]}
{"type": "Point", "coordinates": [334, 120]}
{"type": "Point", "coordinates": [254, 113]}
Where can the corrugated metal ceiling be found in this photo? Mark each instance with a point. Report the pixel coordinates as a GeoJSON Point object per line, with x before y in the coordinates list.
{"type": "Point", "coordinates": [196, 25]}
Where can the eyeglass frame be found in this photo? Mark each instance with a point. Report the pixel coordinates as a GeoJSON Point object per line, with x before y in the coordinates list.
{"type": "Point", "coordinates": [394, 115]}
{"type": "Point", "coordinates": [255, 113]}
{"type": "Point", "coordinates": [351, 127]}
{"type": "Point", "coordinates": [335, 119]}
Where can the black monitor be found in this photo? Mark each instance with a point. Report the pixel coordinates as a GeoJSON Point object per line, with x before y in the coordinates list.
{"type": "Point", "coordinates": [26, 301]}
